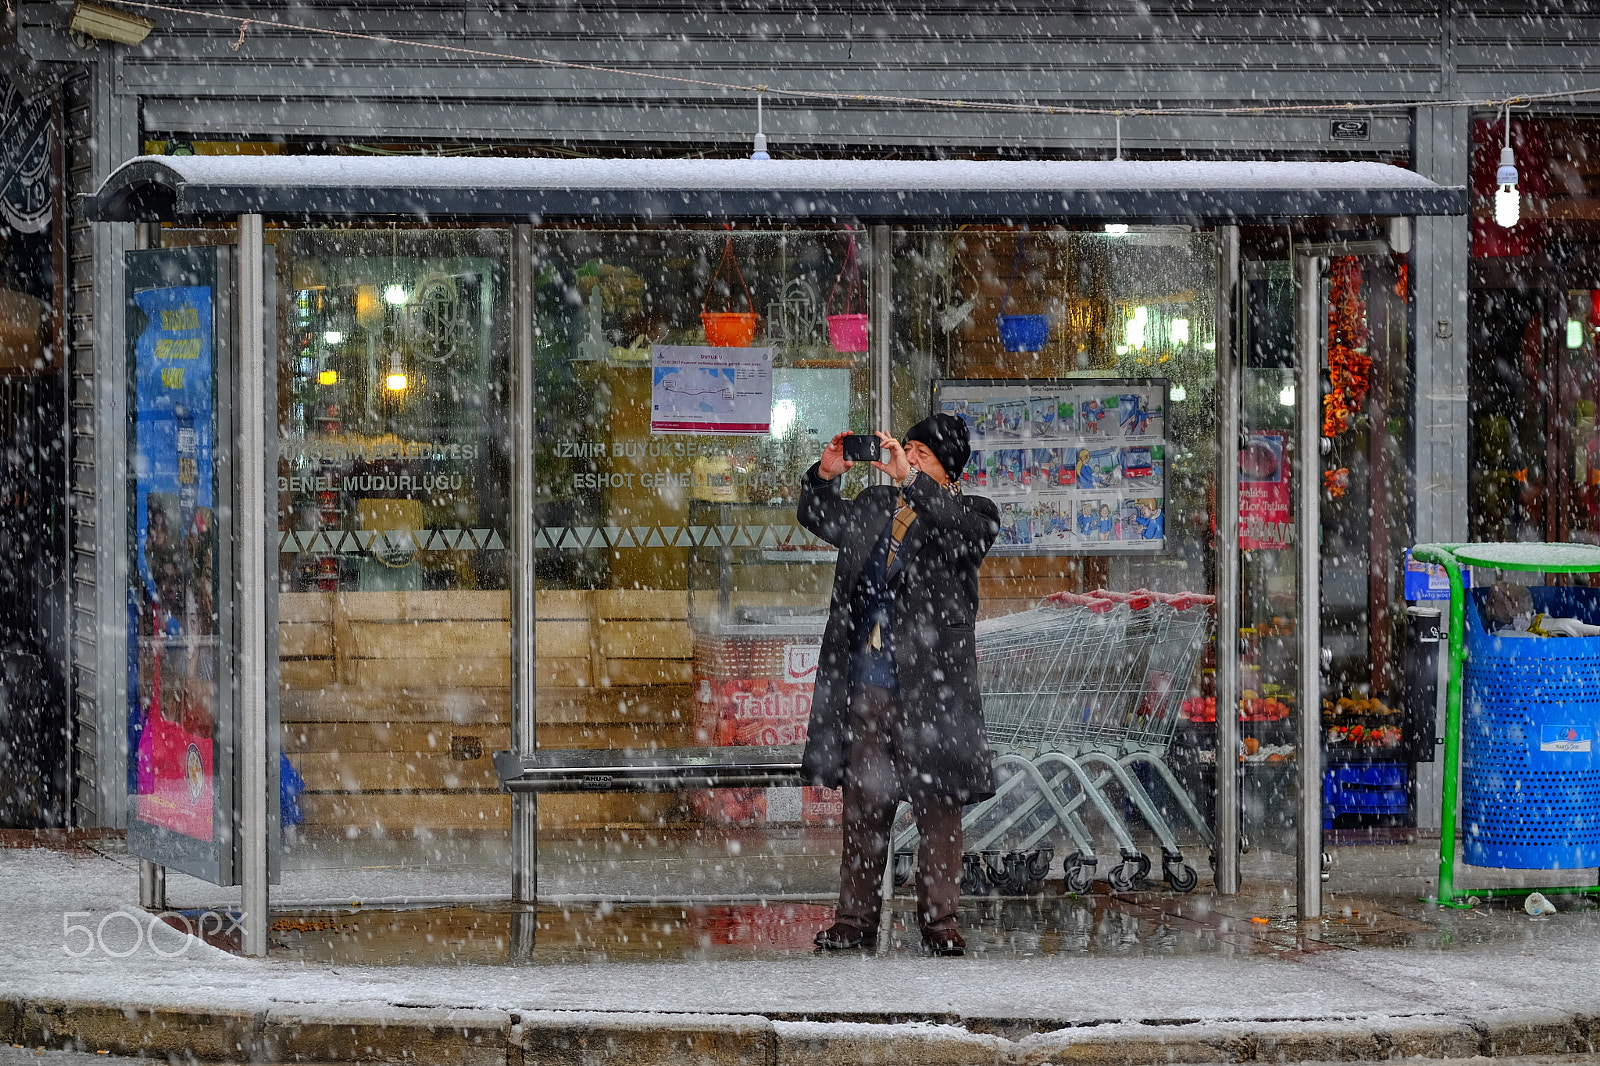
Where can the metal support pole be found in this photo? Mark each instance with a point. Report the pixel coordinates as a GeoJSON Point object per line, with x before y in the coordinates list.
{"type": "Point", "coordinates": [880, 273]}
{"type": "Point", "coordinates": [152, 886]}
{"type": "Point", "coordinates": [253, 514]}
{"type": "Point", "coordinates": [1225, 820]}
{"type": "Point", "coordinates": [1308, 587]}
{"type": "Point", "coordinates": [524, 695]}
{"type": "Point", "coordinates": [1450, 790]}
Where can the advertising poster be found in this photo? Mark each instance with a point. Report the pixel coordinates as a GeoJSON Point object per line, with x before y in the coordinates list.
{"type": "Point", "coordinates": [710, 391]}
{"type": "Point", "coordinates": [173, 648]}
{"type": "Point", "coordinates": [1265, 520]}
{"type": "Point", "coordinates": [762, 711]}
{"type": "Point", "coordinates": [1075, 465]}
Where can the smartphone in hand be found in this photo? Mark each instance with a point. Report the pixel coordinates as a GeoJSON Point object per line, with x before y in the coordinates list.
{"type": "Point", "coordinates": [862, 448]}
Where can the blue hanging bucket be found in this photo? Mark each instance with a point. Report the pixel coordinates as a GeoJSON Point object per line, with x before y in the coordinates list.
{"type": "Point", "coordinates": [1024, 333]}
{"type": "Point", "coordinates": [1021, 333]}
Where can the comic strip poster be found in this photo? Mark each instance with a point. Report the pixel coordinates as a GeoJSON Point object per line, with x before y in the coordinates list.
{"type": "Point", "coordinates": [1075, 465]}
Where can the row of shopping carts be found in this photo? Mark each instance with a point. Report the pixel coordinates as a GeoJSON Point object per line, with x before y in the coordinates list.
{"type": "Point", "coordinates": [1081, 696]}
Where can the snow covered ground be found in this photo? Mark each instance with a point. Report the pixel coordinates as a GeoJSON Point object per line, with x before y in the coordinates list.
{"type": "Point", "coordinates": [44, 892]}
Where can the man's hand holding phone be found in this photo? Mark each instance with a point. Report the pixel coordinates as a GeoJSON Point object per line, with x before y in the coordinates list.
{"type": "Point", "coordinates": [847, 449]}
{"type": "Point", "coordinates": [833, 461]}
{"type": "Point", "coordinates": [894, 462]}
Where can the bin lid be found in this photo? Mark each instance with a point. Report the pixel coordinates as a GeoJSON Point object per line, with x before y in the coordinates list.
{"type": "Point", "coordinates": [1549, 558]}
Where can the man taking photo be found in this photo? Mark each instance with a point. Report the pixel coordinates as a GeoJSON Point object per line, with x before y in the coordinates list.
{"type": "Point", "coordinates": [896, 714]}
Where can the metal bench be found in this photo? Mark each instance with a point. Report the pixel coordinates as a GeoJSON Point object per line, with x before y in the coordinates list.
{"type": "Point", "coordinates": [647, 770]}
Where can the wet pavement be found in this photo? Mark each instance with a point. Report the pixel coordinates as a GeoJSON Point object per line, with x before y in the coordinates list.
{"type": "Point", "coordinates": [1371, 903]}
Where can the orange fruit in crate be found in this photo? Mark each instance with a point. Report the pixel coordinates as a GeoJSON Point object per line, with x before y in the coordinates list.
{"type": "Point", "coordinates": [1251, 745]}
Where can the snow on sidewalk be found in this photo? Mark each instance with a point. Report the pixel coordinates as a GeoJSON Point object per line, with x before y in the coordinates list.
{"type": "Point", "coordinates": [41, 892]}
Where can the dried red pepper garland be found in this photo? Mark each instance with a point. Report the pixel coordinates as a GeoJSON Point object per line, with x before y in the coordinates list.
{"type": "Point", "coordinates": [1348, 364]}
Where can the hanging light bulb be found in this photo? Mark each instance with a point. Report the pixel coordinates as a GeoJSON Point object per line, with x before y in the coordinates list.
{"type": "Point", "coordinates": [1507, 202]}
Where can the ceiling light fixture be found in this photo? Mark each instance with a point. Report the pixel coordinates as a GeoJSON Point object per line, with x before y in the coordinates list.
{"type": "Point", "coordinates": [108, 23]}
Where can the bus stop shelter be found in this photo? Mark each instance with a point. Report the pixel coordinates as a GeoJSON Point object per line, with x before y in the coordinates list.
{"type": "Point", "coordinates": [272, 324]}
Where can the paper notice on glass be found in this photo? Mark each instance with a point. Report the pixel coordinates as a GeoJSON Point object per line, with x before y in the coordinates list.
{"type": "Point", "coordinates": [1266, 520]}
{"type": "Point", "coordinates": [710, 391]}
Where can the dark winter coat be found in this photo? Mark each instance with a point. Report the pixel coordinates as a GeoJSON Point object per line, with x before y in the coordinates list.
{"type": "Point", "coordinates": [935, 606]}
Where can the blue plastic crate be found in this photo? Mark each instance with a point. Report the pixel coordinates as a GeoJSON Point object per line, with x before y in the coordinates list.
{"type": "Point", "coordinates": [1530, 771]}
{"type": "Point", "coordinates": [1365, 788]}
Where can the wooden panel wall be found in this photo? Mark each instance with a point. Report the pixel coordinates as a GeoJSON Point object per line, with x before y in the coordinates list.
{"type": "Point", "coordinates": [392, 702]}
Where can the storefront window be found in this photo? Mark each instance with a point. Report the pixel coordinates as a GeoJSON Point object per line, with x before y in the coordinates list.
{"type": "Point", "coordinates": [394, 541]}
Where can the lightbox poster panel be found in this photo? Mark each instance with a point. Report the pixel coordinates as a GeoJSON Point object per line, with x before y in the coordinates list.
{"type": "Point", "coordinates": [179, 807]}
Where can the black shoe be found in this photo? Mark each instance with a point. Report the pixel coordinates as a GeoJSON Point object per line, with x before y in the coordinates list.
{"type": "Point", "coordinates": [842, 937]}
{"type": "Point", "coordinates": [945, 942]}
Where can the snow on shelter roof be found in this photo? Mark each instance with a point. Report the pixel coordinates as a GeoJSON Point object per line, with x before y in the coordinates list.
{"type": "Point", "coordinates": [312, 188]}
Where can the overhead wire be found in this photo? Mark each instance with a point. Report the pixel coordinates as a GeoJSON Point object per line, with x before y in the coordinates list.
{"type": "Point", "coordinates": [1496, 103]}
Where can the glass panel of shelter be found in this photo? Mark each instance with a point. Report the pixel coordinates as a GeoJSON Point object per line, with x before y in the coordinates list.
{"type": "Point", "coordinates": [394, 535]}
{"type": "Point", "coordinates": [676, 592]}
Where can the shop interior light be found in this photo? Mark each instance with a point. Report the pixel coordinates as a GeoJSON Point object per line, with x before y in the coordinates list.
{"type": "Point", "coordinates": [1133, 333]}
{"type": "Point", "coordinates": [1178, 394]}
{"type": "Point", "coordinates": [395, 295]}
{"type": "Point", "coordinates": [1210, 346]}
{"type": "Point", "coordinates": [784, 411]}
{"type": "Point", "coordinates": [1507, 202]}
{"type": "Point", "coordinates": [1179, 331]}
{"type": "Point", "coordinates": [396, 381]}
{"type": "Point", "coordinates": [333, 336]}
{"type": "Point", "coordinates": [328, 377]}
{"type": "Point", "coordinates": [1574, 333]}
{"type": "Point", "coordinates": [1286, 395]}
{"type": "Point", "coordinates": [1116, 229]}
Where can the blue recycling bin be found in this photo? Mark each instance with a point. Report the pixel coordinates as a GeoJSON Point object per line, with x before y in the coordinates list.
{"type": "Point", "coordinates": [1530, 769]}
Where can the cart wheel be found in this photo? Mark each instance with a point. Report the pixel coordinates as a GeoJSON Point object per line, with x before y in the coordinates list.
{"type": "Point", "coordinates": [1180, 876]}
{"type": "Point", "coordinates": [902, 868]}
{"type": "Point", "coordinates": [995, 866]}
{"type": "Point", "coordinates": [1079, 875]}
{"type": "Point", "coordinates": [1144, 867]}
{"type": "Point", "coordinates": [974, 881]}
{"type": "Point", "coordinates": [1122, 876]}
{"type": "Point", "coordinates": [1016, 880]}
{"type": "Point", "coordinates": [1039, 863]}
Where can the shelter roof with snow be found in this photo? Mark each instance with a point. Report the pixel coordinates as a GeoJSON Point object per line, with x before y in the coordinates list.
{"type": "Point", "coordinates": [319, 188]}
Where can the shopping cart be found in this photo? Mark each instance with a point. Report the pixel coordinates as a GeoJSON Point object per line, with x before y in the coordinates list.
{"type": "Point", "coordinates": [1077, 693]}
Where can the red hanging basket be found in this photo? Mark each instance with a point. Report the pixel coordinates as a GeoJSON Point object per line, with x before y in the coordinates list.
{"type": "Point", "coordinates": [847, 331]}
{"type": "Point", "coordinates": [729, 329]}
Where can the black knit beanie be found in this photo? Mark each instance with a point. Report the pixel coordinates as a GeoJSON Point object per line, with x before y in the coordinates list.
{"type": "Point", "coordinates": [946, 436]}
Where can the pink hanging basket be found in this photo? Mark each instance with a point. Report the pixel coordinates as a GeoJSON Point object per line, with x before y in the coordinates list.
{"type": "Point", "coordinates": [848, 330]}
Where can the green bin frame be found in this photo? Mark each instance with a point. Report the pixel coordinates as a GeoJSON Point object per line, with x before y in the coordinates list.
{"type": "Point", "coordinates": [1535, 557]}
